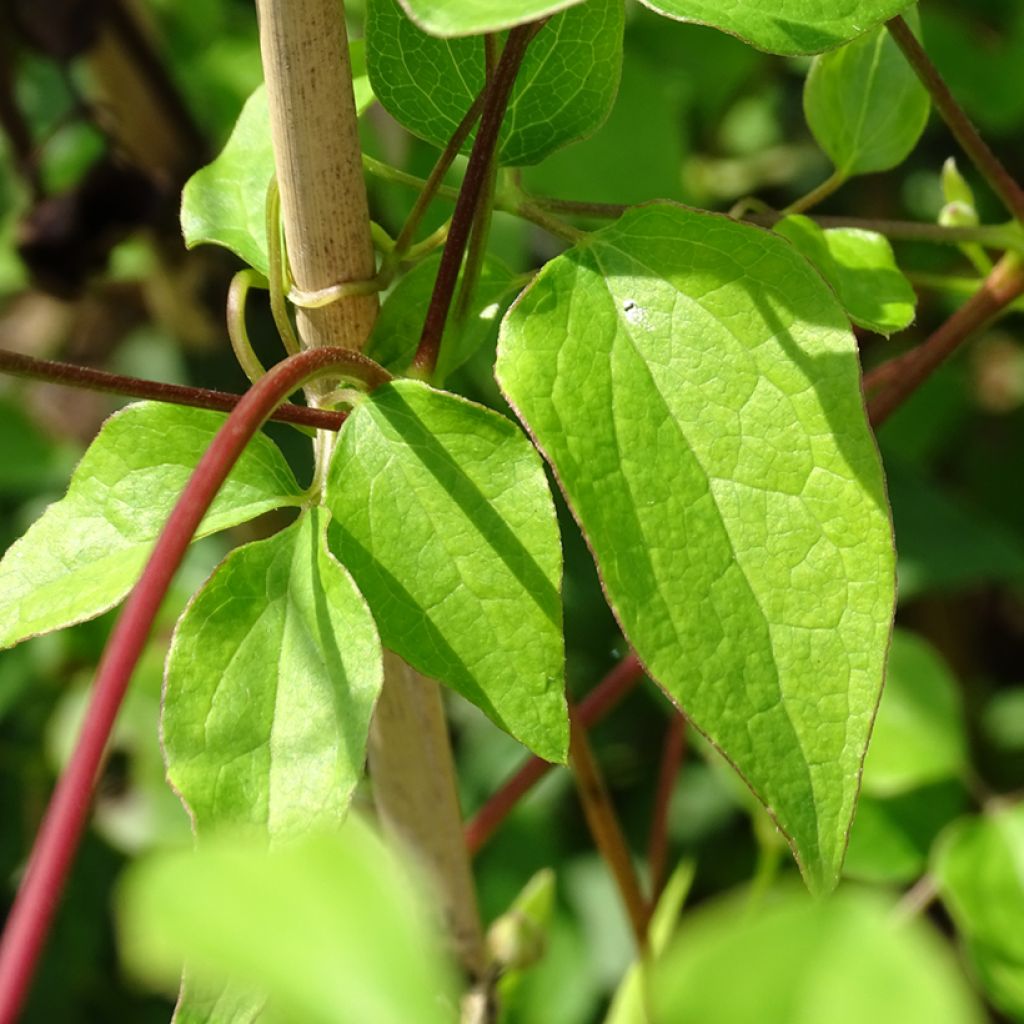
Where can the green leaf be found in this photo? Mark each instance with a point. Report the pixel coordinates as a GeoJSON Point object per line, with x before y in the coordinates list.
{"type": "Point", "coordinates": [861, 268]}
{"type": "Point", "coordinates": [977, 865]}
{"type": "Point", "coordinates": [475, 17]}
{"type": "Point", "coordinates": [396, 332]}
{"type": "Point", "coordinates": [946, 544]}
{"type": "Point", "coordinates": [797, 961]}
{"type": "Point", "coordinates": [271, 679]}
{"type": "Point", "coordinates": [919, 735]}
{"type": "Point", "coordinates": [87, 550]}
{"type": "Point", "coordinates": [695, 385]}
{"type": "Point", "coordinates": [864, 104]}
{"type": "Point", "coordinates": [564, 90]}
{"type": "Point", "coordinates": [328, 926]}
{"type": "Point", "coordinates": [784, 26]}
{"type": "Point", "coordinates": [443, 516]}
{"type": "Point", "coordinates": [225, 202]}
{"type": "Point", "coordinates": [891, 837]}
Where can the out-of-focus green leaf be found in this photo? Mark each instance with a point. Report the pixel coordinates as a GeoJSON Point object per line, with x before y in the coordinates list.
{"type": "Point", "coordinates": [329, 927]}
{"type": "Point", "coordinates": [945, 545]}
{"type": "Point", "coordinates": [563, 92]}
{"type": "Point", "coordinates": [442, 513]}
{"type": "Point", "coordinates": [695, 385]}
{"type": "Point", "coordinates": [862, 270]}
{"type": "Point", "coordinates": [919, 735]}
{"type": "Point", "coordinates": [271, 678]}
{"type": "Point", "coordinates": [83, 555]}
{"type": "Point", "coordinates": [797, 961]}
{"type": "Point", "coordinates": [979, 868]}
{"type": "Point", "coordinates": [865, 105]}
{"type": "Point", "coordinates": [891, 837]}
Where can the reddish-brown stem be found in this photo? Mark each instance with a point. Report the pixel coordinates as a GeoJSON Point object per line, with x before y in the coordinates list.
{"type": "Point", "coordinates": [890, 384]}
{"type": "Point", "coordinates": [495, 102]}
{"type": "Point", "coordinates": [598, 703]}
{"type": "Point", "coordinates": [604, 827]}
{"type": "Point", "coordinates": [68, 374]}
{"type": "Point", "coordinates": [440, 169]}
{"type": "Point", "coordinates": [672, 754]}
{"type": "Point", "coordinates": [952, 113]}
{"type": "Point", "coordinates": [54, 848]}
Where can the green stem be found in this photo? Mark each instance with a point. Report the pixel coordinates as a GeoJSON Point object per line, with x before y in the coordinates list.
{"type": "Point", "coordinates": [817, 195]}
{"type": "Point", "coordinates": [278, 271]}
{"type": "Point", "coordinates": [238, 293]}
{"type": "Point", "coordinates": [987, 163]}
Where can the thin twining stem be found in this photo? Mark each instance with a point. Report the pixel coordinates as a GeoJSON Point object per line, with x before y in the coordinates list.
{"type": "Point", "coordinates": [496, 100]}
{"type": "Point", "coordinates": [86, 377]}
{"type": "Point", "coordinates": [987, 163]}
{"type": "Point", "coordinates": [605, 828]}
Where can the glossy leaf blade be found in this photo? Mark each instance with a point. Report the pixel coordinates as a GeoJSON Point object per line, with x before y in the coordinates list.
{"type": "Point", "coordinates": [329, 926]}
{"type": "Point", "coordinates": [862, 270]}
{"type": "Point", "coordinates": [564, 90]}
{"type": "Point", "coordinates": [785, 26]}
{"type": "Point", "coordinates": [865, 105]}
{"type": "Point", "coordinates": [86, 551]}
{"type": "Point", "coordinates": [695, 386]}
{"type": "Point", "coordinates": [841, 960]}
{"type": "Point", "coordinates": [271, 679]}
{"type": "Point", "coordinates": [442, 513]}
{"type": "Point", "coordinates": [224, 203]}
{"type": "Point", "coordinates": [475, 17]}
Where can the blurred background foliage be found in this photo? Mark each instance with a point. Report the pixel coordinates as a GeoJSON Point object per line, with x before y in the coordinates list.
{"type": "Point", "coordinates": [105, 117]}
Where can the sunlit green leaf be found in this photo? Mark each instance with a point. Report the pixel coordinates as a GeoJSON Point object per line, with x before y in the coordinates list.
{"type": "Point", "coordinates": [785, 26]}
{"type": "Point", "coordinates": [865, 105]}
{"type": "Point", "coordinates": [977, 865]}
{"type": "Point", "coordinates": [696, 388]}
{"type": "Point", "coordinates": [474, 17]}
{"type": "Point", "coordinates": [862, 270]}
{"type": "Point", "coordinates": [443, 516]}
{"type": "Point", "coordinates": [797, 961]}
{"type": "Point", "coordinates": [329, 927]}
{"type": "Point", "coordinates": [83, 555]}
{"type": "Point", "coordinates": [564, 90]}
{"type": "Point", "coordinates": [271, 678]}
{"type": "Point", "coordinates": [224, 203]}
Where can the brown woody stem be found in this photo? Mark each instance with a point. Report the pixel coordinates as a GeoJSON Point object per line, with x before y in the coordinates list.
{"type": "Point", "coordinates": [890, 384]}
{"type": "Point", "coordinates": [68, 374]}
{"type": "Point", "coordinates": [1001, 181]}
